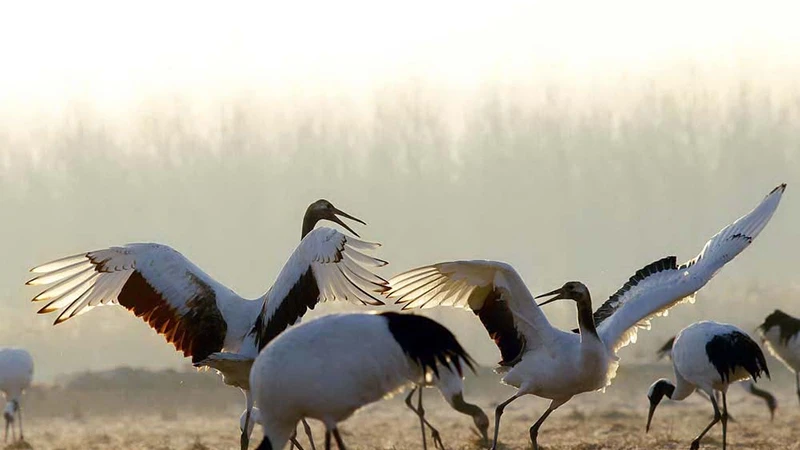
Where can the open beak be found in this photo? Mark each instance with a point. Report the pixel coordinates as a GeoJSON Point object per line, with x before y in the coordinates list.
{"type": "Point", "coordinates": [650, 416]}
{"type": "Point", "coordinates": [339, 212]}
{"type": "Point", "coordinates": [558, 291]}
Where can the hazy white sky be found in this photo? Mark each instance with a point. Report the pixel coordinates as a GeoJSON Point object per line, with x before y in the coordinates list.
{"type": "Point", "coordinates": [115, 51]}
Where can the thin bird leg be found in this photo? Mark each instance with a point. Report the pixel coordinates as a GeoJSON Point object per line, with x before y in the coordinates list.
{"type": "Point", "coordinates": [327, 439]}
{"type": "Point", "coordinates": [717, 416]}
{"type": "Point", "coordinates": [5, 439]}
{"type": "Point", "coordinates": [339, 441]}
{"type": "Point", "coordinates": [19, 414]}
{"type": "Point", "coordinates": [724, 420]}
{"type": "Point", "coordinates": [416, 411]}
{"type": "Point", "coordinates": [497, 413]}
{"type": "Point", "coordinates": [437, 440]}
{"type": "Point", "coordinates": [705, 396]}
{"type": "Point", "coordinates": [534, 431]}
{"type": "Point", "coordinates": [797, 378]}
{"type": "Point", "coordinates": [307, 428]}
{"type": "Point", "coordinates": [295, 442]}
{"type": "Point", "coordinates": [244, 439]}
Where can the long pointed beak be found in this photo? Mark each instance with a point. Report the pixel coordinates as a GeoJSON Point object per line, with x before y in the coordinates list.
{"type": "Point", "coordinates": [338, 212]}
{"type": "Point", "coordinates": [650, 416]}
{"type": "Point", "coordinates": [557, 297]}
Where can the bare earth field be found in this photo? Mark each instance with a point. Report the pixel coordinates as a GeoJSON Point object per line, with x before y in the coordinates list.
{"type": "Point", "coordinates": [191, 411]}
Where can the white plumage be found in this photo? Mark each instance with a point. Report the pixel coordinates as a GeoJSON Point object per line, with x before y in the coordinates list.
{"type": "Point", "coordinates": [780, 334]}
{"type": "Point", "coordinates": [364, 357]}
{"type": "Point", "coordinates": [748, 386]}
{"type": "Point", "coordinates": [554, 364]}
{"type": "Point", "coordinates": [16, 374]}
{"type": "Point", "coordinates": [202, 317]}
{"type": "Point", "coordinates": [709, 356]}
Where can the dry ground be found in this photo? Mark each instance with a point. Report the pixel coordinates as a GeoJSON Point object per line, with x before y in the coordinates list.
{"type": "Point", "coordinates": [615, 420]}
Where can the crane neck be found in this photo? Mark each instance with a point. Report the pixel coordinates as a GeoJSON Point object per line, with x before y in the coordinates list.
{"type": "Point", "coordinates": [586, 319]}
{"type": "Point", "coordinates": [309, 222]}
{"type": "Point", "coordinates": [463, 407]}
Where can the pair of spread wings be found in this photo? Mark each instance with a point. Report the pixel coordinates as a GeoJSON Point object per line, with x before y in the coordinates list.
{"type": "Point", "coordinates": [195, 313]}
{"type": "Point", "coordinates": [199, 316]}
{"type": "Point", "coordinates": [495, 292]}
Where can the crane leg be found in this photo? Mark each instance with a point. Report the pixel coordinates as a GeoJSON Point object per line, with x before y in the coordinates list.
{"type": "Point", "coordinates": [724, 420]}
{"type": "Point", "coordinates": [244, 439]}
{"type": "Point", "coordinates": [5, 439]}
{"type": "Point", "coordinates": [704, 395]}
{"type": "Point", "coordinates": [534, 431]}
{"type": "Point", "coordinates": [19, 414]}
{"type": "Point", "coordinates": [418, 413]}
{"type": "Point", "coordinates": [498, 412]}
{"type": "Point", "coordinates": [717, 416]}
{"type": "Point", "coordinates": [327, 439]}
{"type": "Point", "coordinates": [797, 379]}
{"type": "Point", "coordinates": [295, 442]}
{"type": "Point", "coordinates": [310, 436]}
{"type": "Point", "coordinates": [437, 440]}
{"type": "Point", "coordinates": [338, 437]}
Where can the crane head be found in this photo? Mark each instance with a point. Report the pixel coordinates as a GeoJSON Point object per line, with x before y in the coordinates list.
{"type": "Point", "coordinates": [572, 290]}
{"type": "Point", "coordinates": [657, 392]}
{"type": "Point", "coordinates": [324, 210]}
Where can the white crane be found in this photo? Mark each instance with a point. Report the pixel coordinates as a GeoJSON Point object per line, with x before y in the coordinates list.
{"type": "Point", "coordinates": [780, 333]}
{"type": "Point", "coordinates": [449, 384]}
{"type": "Point", "coordinates": [16, 374]}
{"type": "Point", "coordinates": [328, 368]}
{"type": "Point", "coordinates": [544, 361]}
{"type": "Point", "coordinates": [709, 356]}
{"type": "Point", "coordinates": [202, 317]}
{"type": "Point", "coordinates": [749, 386]}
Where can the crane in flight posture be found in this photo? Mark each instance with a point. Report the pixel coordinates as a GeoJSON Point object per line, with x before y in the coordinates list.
{"type": "Point", "coordinates": [200, 316]}
{"type": "Point", "coordinates": [547, 362]}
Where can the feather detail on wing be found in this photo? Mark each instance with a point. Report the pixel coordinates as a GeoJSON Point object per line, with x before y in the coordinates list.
{"type": "Point", "coordinates": [659, 286]}
{"type": "Point", "coordinates": [494, 291]}
{"type": "Point", "coordinates": [327, 265]}
{"type": "Point", "coordinates": [153, 281]}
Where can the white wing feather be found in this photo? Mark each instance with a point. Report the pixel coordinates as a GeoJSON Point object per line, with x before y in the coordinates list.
{"type": "Point", "coordinates": [328, 264]}
{"type": "Point", "coordinates": [468, 284]}
{"type": "Point", "coordinates": [153, 281]}
{"type": "Point", "coordinates": [654, 294]}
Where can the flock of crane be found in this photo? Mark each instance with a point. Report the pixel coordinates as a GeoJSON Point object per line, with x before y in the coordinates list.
{"type": "Point", "coordinates": [327, 368]}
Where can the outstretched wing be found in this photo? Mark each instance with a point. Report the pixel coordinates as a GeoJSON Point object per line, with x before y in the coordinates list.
{"type": "Point", "coordinates": [327, 265]}
{"type": "Point", "coordinates": [494, 291]}
{"type": "Point", "coordinates": [153, 281]}
{"type": "Point", "coordinates": [661, 285]}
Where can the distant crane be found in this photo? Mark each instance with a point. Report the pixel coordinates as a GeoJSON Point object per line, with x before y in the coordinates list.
{"type": "Point", "coordinates": [200, 316]}
{"type": "Point", "coordinates": [748, 385]}
{"type": "Point", "coordinates": [328, 368]}
{"type": "Point", "coordinates": [709, 356]}
{"type": "Point", "coordinates": [16, 374]}
{"type": "Point", "coordinates": [544, 361]}
{"type": "Point", "coordinates": [780, 333]}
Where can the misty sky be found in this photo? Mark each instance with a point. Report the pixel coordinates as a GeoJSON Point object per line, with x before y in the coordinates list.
{"type": "Point", "coordinates": [573, 140]}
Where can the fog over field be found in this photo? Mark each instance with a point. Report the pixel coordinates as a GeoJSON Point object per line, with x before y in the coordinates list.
{"type": "Point", "coordinates": [574, 142]}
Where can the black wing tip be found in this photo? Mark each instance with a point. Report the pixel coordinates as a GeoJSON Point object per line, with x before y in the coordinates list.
{"type": "Point", "coordinates": [781, 187]}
